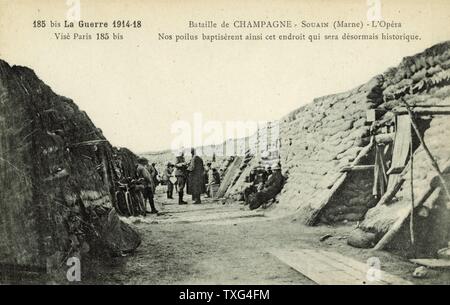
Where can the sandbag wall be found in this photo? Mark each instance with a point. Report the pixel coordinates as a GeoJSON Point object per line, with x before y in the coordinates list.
{"type": "Point", "coordinates": [56, 170]}
{"type": "Point", "coordinates": [319, 139]}
{"type": "Point", "coordinates": [423, 79]}
{"type": "Point", "coordinates": [352, 201]}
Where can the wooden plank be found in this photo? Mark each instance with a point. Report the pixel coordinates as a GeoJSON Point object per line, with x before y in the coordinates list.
{"type": "Point", "coordinates": [430, 106]}
{"type": "Point", "coordinates": [308, 266]}
{"type": "Point", "coordinates": [351, 266]}
{"type": "Point", "coordinates": [385, 277]}
{"type": "Point", "coordinates": [431, 194]}
{"type": "Point", "coordinates": [314, 268]}
{"type": "Point", "coordinates": [348, 272]}
{"type": "Point", "coordinates": [331, 268]}
{"type": "Point", "coordinates": [423, 111]}
{"type": "Point", "coordinates": [227, 180]}
{"type": "Point", "coordinates": [357, 168]}
{"type": "Point", "coordinates": [432, 263]}
{"type": "Point", "coordinates": [395, 170]}
{"type": "Point", "coordinates": [400, 153]}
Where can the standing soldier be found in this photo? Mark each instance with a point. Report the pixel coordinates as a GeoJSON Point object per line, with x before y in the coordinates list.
{"type": "Point", "coordinates": [166, 178]}
{"type": "Point", "coordinates": [206, 178]}
{"type": "Point", "coordinates": [196, 177]}
{"type": "Point", "coordinates": [151, 170]}
{"type": "Point", "coordinates": [180, 174]}
{"type": "Point", "coordinates": [149, 186]}
{"type": "Point", "coordinates": [155, 174]}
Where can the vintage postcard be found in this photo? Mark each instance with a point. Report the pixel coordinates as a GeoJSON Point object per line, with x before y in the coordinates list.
{"type": "Point", "coordinates": [225, 143]}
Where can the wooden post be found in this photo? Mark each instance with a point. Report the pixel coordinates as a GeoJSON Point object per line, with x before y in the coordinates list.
{"type": "Point", "coordinates": [423, 111]}
{"type": "Point", "coordinates": [395, 228]}
{"type": "Point", "coordinates": [427, 151]}
{"type": "Point", "coordinates": [411, 217]}
{"type": "Point", "coordinates": [357, 168]}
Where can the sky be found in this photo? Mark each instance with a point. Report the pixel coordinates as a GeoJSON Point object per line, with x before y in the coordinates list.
{"type": "Point", "coordinates": [138, 88]}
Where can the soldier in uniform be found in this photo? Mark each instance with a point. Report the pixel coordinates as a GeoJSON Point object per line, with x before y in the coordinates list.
{"type": "Point", "coordinates": [208, 169]}
{"type": "Point", "coordinates": [269, 190]}
{"type": "Point", "coordinates": [166, 178]}
{"type": "Point", "coordinates": [149, 185]}
{"type": "Point", "coordinates": [180, 173]}
{"type": "Point", "coordinates": [196, 183]}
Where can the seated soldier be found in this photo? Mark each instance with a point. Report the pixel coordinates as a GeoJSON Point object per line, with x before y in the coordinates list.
{"type": "Point", "coordinates": [261, 175]}
{"type": "Point", "coordinates": [268, 171]}
{"type": "Point", "coordinates": [213, 182]}
{"type": "Point", "coordinates": [270, 189]}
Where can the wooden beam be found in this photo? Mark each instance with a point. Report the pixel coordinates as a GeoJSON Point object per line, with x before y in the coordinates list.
{"type": "Point", "coordinates": [387, 197]}
{"type": "Point", "coordinates": [432, 194]}
{"type": "Point", "coordinates": [423, 110]}
{"type": "Point", "coordinates": [395, 170]}
{"type": "Point", "coordinates": [430, 106]}
{"type": "Point", "coordinates": [427, 151]}
{"type": "Point", "coordinates": [232, 169]}
{"type": "Point", "coordinates": [395, 228]}
{"type": "Point", "coordinates": [357, 168]}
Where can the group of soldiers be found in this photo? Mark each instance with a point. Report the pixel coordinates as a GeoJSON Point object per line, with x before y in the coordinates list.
{"type": "Point", "coordinates": [193, 176]}
{"type": "Point", "coordinates": [263, 184]}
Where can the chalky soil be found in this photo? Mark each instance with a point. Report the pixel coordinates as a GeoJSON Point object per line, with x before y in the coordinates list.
{"type": "Point", "coordinates": [190, 245]}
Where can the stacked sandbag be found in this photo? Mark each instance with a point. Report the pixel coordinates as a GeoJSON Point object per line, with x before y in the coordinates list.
{"type": "Point", "coordinates": [418, 77]}
{"type": "Point", "coordinates": [56, 174]}
{"type": "Point", "coordinates": [319, 139]}
{"type": "Point", "coordinates": [380, 218]}
{"type": "Point", "coordinates": [352, 201]}
{"type": "Point", "coordinates": [422, 79]}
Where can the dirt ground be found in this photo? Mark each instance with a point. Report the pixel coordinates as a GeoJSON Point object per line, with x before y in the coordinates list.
{"type": "Point", "coordinates": [215, 243]}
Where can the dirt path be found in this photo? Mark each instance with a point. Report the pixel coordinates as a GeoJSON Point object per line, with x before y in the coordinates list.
{"type": "Point", "coordinates": [214, 243]}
